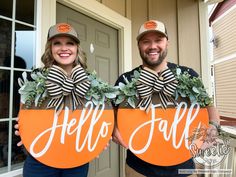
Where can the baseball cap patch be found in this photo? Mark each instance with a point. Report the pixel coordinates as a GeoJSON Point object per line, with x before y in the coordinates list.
{"type": "Point", "coordinates": [63, 28]}
{"type": "Point", "coordinates": [150, 25]}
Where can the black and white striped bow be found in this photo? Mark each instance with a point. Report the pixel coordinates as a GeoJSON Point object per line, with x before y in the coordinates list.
{"type": "Point", "coordinates": [165, 84]}
{"type": "Point", "coordinates": [59, 86]}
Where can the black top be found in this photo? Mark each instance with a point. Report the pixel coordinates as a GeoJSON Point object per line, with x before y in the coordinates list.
{"type": "Point", "coordinates": [148, 169]}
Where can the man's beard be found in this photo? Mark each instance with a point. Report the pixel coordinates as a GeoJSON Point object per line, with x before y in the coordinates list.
{"type": "Point", "coordinates": [150, 63]}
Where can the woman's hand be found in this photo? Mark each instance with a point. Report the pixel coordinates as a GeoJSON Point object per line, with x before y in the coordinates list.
{"type": "Point", "coordinates": [17, 133]}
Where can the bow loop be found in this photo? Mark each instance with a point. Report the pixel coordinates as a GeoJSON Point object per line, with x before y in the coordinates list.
{"type": "Point", "coordinates": [82, 84]}
{"type": "Point", "coordinates": [149, 82]}
{"type": "Point", "coordinates": [60, 86]}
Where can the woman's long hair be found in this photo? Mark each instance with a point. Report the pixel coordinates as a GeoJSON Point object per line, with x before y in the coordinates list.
{"type": "Point", "coordinates": [48, 59]}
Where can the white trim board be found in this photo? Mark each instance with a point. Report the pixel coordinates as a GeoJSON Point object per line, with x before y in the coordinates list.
{"type": "Point", "coordinates": [223, 59]}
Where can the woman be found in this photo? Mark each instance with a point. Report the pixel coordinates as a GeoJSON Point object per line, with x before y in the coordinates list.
{"type": "Point", "coordinates": [63, 50]}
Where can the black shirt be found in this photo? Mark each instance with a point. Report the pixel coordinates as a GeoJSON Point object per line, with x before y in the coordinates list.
{"type": "Point", "coordinates": [148, 169]}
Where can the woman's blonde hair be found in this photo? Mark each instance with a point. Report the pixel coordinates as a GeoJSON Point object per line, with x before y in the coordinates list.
{"type": "Point", "coordinates": [48, 59]}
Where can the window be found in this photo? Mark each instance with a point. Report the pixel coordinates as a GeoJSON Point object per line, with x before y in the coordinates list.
{"type": "Point", "coordinates": [223, 21]}
{"type": "Point", "coordinates": [17, 54]}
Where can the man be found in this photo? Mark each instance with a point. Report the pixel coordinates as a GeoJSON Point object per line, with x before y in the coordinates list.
{"type": "Point", "coordinates": [152, 42]}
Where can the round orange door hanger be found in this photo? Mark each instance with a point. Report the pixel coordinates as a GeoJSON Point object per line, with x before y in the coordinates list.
{"type": "Point", "coordinates": [162, 136]}
{"type": "Point", "coordinates": [68, 139]}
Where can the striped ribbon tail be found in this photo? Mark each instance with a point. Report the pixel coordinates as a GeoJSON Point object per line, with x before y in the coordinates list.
{"type": "Point", "coordinates": [58, 103]}
{"type": "Point", "coordinates": [145, 104]}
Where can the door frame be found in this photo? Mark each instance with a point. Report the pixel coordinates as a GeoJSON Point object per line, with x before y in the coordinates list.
{"type": "Point", "coordinates": [46, 17]}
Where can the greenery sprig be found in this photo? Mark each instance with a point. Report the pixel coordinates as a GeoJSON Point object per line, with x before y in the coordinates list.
{"type": "Point", "coordinates": [191, 87]}
{"type": "Point", "coordinates": [33, 91]}
{"type": "Point", "coordinates": [128, 91]}
{"type": "Point", "coordinates": [100, 91]}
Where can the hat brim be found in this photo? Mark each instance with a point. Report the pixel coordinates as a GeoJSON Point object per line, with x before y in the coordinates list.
{"type": "Point", "coordinates": [67, 35]}
{"type": "Point", "coordinates": [146, 32]}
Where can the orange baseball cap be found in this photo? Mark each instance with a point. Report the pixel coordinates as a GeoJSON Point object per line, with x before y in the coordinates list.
{"type": "Point", "coordinates": [63, 29]}
{"type": "Point", "coordinates": [150, 26]}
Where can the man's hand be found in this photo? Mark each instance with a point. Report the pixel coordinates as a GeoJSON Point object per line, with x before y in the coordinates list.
{"type": "Point", "coordinates": [116, 137]}
{"type": "Point", "coordinates": [213, 114]}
